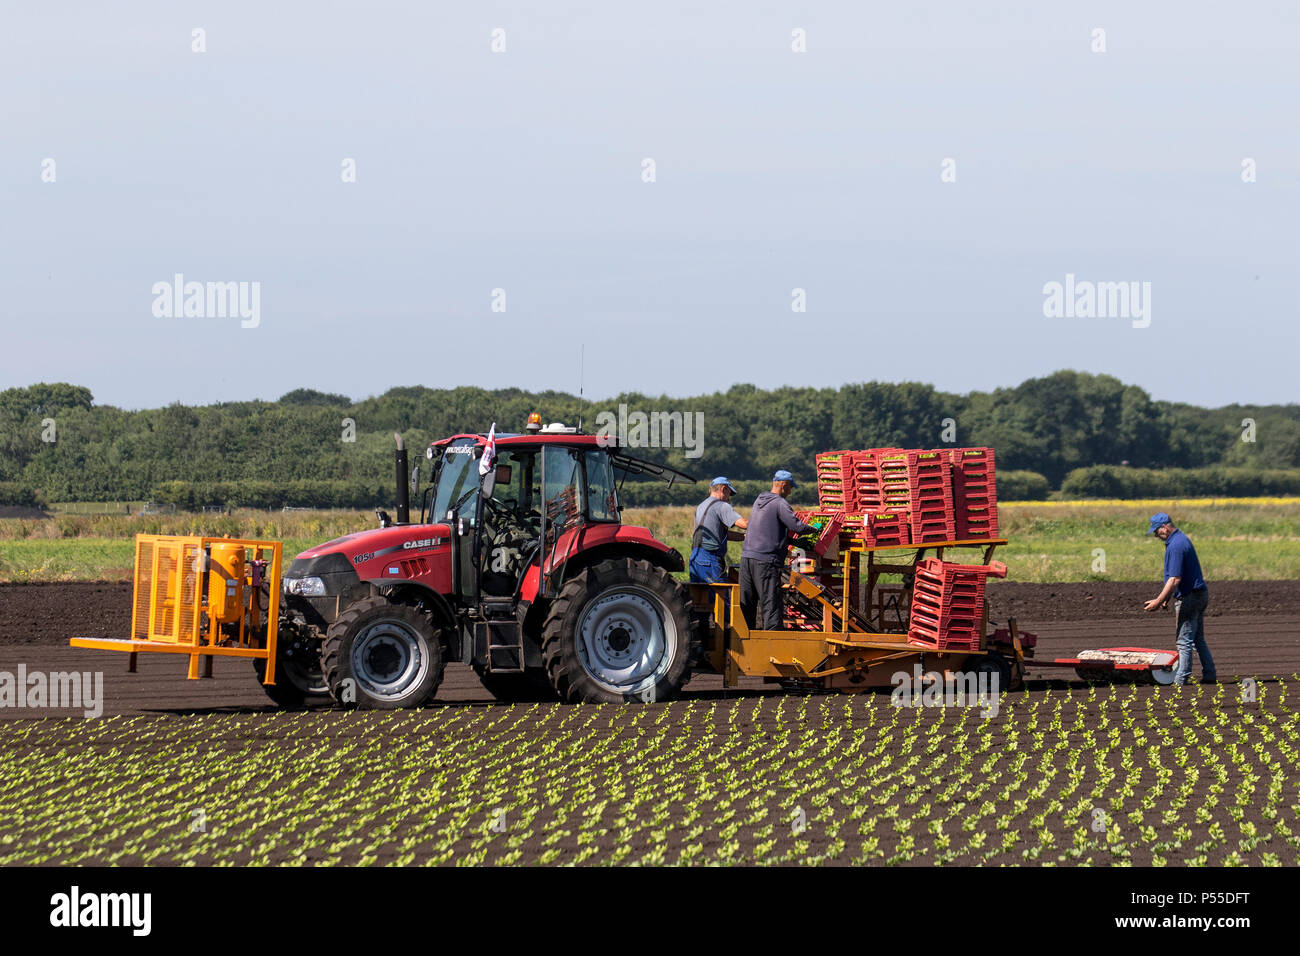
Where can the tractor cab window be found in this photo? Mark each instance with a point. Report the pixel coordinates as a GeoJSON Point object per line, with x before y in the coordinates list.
{"type": "Point", "coordinates": [561, 490]}
{"type": "Point", "coordinates": [457, 477]}
{"type": "Point", "coordinates": [602, 500]}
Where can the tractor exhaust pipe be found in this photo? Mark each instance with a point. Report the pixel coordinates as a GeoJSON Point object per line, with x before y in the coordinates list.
{"type": "Point", "coordinates": [403, 486]}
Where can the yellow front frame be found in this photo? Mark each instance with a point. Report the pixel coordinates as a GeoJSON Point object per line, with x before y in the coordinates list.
{"type": "Point", "coordinates": [168, 601]}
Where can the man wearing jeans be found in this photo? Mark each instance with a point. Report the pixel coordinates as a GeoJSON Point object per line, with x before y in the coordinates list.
{"type": "Point", "coordinates": [1183, 577]}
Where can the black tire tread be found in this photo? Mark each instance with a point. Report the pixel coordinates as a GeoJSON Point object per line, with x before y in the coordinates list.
{"type": "Point", "coordinates": [286, 695]}
{"type": "Point", "coordinates": [332, 656]}
{"type": "Point", "coordinates": [565, 671]}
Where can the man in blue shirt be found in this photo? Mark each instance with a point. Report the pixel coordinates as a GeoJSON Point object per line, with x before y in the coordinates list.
{"type": "Point", "coordinates": [714, 519]}
{"type": "Point", "coordinates": [1183, 578]}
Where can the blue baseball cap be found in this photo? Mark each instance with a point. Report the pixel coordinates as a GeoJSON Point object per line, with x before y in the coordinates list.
{"type": "Point", "coordinates": [1159, 520]}
{"type": "Point", "coordinates": [784, 475]}
{"type": "Point", "coordinates": [724, 482]}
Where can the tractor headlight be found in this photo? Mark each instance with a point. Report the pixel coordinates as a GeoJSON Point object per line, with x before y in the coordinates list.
{"type": "Point", "coordinates": [304, 587]}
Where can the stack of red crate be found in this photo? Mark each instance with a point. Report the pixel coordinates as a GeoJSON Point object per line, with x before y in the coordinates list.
{"type": "Point", "coordinates": [835, 482]}
{"type": "Point", "coordinates": [883, 485]}
{"type": "Point", "coordinates": [948, 604]}
{"type": "Point", "coordinates": [882, 479]}
{"type": "Point", "coordinates": [930, 483]}
{"type": "Point", "coordinates": [896, 496]}
{"type": "Point", "coordinates": [975, 496]}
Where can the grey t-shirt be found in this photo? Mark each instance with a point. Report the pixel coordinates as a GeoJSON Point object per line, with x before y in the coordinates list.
{"type": "Point", "coordinates": [721, 516]}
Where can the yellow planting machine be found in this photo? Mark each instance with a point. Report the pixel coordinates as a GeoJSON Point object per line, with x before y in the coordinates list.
{"type": "Point", "coordinates": [520, 566]}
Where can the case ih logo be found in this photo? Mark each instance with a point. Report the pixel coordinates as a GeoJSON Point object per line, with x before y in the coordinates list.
{"type": "Point", "coordinates": [421, 543]}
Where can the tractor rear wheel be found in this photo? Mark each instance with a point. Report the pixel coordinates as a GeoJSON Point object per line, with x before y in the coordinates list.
{"type": "Point", "coordinates": [618, 632]}
{"type": "Point", "coordinates": [382, 655]}
{"type": "Point", "coordinates": [299, 680]}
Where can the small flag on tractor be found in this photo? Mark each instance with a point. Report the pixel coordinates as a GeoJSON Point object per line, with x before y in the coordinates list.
{"type": "Point", "coordinates": [489, 459]}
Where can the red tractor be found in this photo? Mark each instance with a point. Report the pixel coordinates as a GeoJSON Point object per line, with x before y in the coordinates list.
{"type": "Point", "coordinates": [519, 565]}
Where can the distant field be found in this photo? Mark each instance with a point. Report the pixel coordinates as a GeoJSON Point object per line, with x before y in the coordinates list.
{"type": "Point", "coordinates": [1237, 539]}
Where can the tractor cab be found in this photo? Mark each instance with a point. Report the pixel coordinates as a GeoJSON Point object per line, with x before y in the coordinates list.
{"type": "Point", "coordinates": [549, 492]}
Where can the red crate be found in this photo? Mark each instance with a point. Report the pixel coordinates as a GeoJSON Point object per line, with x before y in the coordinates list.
{"type": "Point", "coordinates": [955, 641]}
{"type": "Point", "coordinates": [830, 533]}
{"type": "Point", "coordinates": [885, 528]}
{"type": "Point", "coordinates": [949, 573]}
{"type": "Point", "coordinates": [973, 524]}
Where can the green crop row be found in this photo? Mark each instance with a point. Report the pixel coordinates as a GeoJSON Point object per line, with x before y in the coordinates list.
{"type": "Point", "coordinates": [1148, 776]}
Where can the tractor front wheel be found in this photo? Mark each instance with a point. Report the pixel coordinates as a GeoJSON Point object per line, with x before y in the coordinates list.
{"type": "Point", "coordinates": [619, 631]}
{"type": "Point", "coordinates": [299, 681]}
{"type": "Point", "coordinates": [382, 655]}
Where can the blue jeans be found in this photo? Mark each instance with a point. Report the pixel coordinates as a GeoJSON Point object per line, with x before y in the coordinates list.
{"type": "Point", "coordinates": [707, 568]}
{"type": "Point", "coordinates": [1191, 636]}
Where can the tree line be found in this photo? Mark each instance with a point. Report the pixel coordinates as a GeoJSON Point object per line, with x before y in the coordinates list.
{"type": "Point", "coordinates": [313, 448]}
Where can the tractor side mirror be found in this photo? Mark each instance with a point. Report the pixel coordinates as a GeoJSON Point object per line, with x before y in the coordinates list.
{"type": "Point", "coordinates": [489, 483]}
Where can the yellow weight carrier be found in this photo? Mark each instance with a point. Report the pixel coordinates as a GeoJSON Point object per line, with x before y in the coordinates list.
{"type": "Point", "coordinates": [202, 597]}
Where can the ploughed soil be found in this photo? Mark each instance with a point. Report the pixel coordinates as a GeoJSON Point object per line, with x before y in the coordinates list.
{"type": "Point", "coordinates": [51, 613]}
{"type": "Point", "coordinates": [1115, 599]}
{"type": "Point", "coordinates": [1253, 629]}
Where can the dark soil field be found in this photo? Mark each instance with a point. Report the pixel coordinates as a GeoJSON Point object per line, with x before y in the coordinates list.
{"type": "Point", "coordinates": [1253, 628]}
{"type": "Point", "coordinates": [1063, 773]}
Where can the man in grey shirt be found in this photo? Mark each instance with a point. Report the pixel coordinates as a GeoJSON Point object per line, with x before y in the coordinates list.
{"type": "Point", "coordinates": [713, 520]}
{"type": "Point", "coordinates": [763, 556]}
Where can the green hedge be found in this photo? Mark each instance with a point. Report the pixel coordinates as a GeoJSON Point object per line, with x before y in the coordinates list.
{"type": "Point", "coordinates": [1112, 481]}
{"type": "Point", "coordinates": [657, 494]}
{"type": "Point", "coordinates": [16, 493]}
{"type": "Point", "coordinates": [1022, 486]}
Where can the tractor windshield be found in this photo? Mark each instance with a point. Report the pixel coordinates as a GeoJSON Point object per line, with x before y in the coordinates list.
{"type": "Point", "coordinates": [457, 476]}
{"type": "Point", "coordinates": [574, 483]}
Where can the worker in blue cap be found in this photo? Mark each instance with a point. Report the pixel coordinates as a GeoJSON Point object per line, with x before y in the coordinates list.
{"type": "Point", "coordinates": [714, 520]}
{"type": "Point", "coordinates": [762, 558]}
{"type": "Point", "coordinates": [1183, 578]}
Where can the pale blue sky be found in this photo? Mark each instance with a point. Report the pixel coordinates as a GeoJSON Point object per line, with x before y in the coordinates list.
{"type": "Point", "coordinates": [521, 170]}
